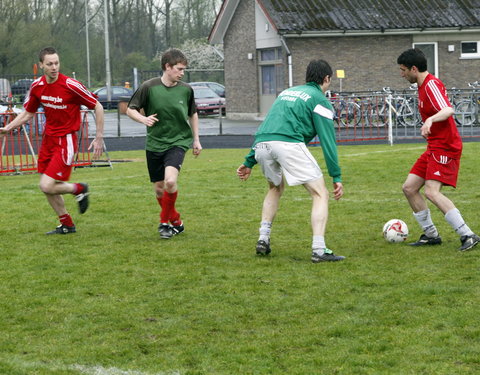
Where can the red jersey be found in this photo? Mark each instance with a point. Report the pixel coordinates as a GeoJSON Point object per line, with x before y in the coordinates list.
{"type": "Point", "coordinates": [61, 100]}
{"type": "Point", "coordinates": [444, 137]}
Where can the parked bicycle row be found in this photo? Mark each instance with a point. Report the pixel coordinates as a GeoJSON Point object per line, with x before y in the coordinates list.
{"type": "Point", "coordinates": [373, 109]}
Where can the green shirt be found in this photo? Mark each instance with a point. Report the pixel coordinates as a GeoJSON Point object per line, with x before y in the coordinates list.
{"type": "Point", "coordinates": [173, 107]}
{"type": "Point", "coordinates": [298, 115]}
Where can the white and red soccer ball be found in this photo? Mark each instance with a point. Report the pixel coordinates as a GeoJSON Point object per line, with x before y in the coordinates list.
{"type": "Point", "coordinates": [395, 231]}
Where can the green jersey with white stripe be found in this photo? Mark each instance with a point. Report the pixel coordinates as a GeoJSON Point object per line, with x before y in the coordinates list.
{"type": "Point", "coordinates": [298, 115]}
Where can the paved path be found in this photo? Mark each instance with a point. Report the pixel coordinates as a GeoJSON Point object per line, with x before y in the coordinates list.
{"type": "Point", "coordinates": [122, 133]}
{"type": "Point", "coordinates": [122, 126]}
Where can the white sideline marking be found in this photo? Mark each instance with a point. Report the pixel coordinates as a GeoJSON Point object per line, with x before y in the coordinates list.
{"type": "Point", "coordinates": [99, 370]}
{"type": "Point", "coordinates": [373, 200]}
{"type": "Point", "coordinates": [85, 370]}
{"type": "Point", "coordinates": [384, 151]}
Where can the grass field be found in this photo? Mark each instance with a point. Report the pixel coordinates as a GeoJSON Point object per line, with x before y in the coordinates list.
{"type": "Point", "coordinates": [114, 299]}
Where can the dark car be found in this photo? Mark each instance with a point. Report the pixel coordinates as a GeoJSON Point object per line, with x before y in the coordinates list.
{"type": "Point", "coordinates": [118, 93]}
{"type": "Point", "coordinates": [207, 101]}
{"type": "Point", "coordinates": [217, 87]}
{"type": "Point", "coordinates": [21, 87]}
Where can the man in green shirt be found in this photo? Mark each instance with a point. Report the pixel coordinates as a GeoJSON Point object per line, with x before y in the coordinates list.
{"type": "Point", "coordinates": [296, 117]}
{"type": "Point", "coordinates": [166, 106]}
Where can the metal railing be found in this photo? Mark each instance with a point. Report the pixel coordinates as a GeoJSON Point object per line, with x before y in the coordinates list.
{"type": "Point", "coordinates": [389, 114]}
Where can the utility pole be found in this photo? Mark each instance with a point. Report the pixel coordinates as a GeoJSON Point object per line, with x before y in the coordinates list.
{"type": "Point", "coordinates": [107, 53]}
{"type": "Point", "coordinates": [88, 44]}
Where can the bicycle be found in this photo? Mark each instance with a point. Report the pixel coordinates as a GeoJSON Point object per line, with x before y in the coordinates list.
{"type": "Point", "coordinates": [466, 109]}
{"type": "Point", "coordinates": [376, 112]}
{"type": "Point", "coordinates": [406, 108]}
{"type": "Point", "coordinates": [347, 111]}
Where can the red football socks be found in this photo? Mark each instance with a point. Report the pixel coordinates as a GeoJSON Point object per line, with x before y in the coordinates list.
{"type": "Point", "coordinates": [66, 220]}
{"type": "Point", "coordinates": [79, 188]}
{"type": "Point", "coordinates": [167, 202]}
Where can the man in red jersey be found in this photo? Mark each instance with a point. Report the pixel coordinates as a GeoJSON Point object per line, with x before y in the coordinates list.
{"type": "Point", "coordinates": [439, 164]}
{"type": "Point", "coordinates": [61, 98]}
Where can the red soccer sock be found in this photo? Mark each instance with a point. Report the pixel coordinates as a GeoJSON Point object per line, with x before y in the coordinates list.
{"type": "Point", "coordinates": [160, 201]}
{"type": "Point", "coordinates": [66, 220]}
{"type": "Point", "coordinates": [176, 222]}
{"type": "Point", "coordinates": [79, 188]}
{"type": "Point", "coordinates": [168, 207]}
{"type": "Point", "coordinates": [175, 215]}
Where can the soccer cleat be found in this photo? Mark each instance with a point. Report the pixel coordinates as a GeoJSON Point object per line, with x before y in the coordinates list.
{"type": "Point", "coordinates": [62, 229]}
{"type": "Point", "coordinates": [327, 256]}
{"type": "Point", "coordinates": [263, 248]}
{"type": "Point", "coordinates": [82, 199]}
{"type": "Point", "coordinates": [177, 229]}
{"type": "Point", "coordinates": [424, 240]}
{"type": "Point", "coordinates": [468, 242]}
{"type": "Point", "coordinates": [165, 230]}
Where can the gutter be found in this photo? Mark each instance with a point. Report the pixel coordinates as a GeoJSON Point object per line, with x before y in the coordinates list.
{"type": "Point", "coordinates": [289, 61]}
{"type": "Point", "coordinates": [337, 33]}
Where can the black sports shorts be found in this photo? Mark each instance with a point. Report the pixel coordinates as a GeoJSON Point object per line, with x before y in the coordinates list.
{"type": "Point", "coordinates": [158, 161]}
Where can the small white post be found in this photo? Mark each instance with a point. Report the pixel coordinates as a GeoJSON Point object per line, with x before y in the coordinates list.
{"type": "Point", "coordinates": [390, 121]}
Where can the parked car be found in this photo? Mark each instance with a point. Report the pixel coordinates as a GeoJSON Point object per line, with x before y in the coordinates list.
{"type": "Point", "coordinates": [207, 101]}
{"type": "Point", "coordinates": [217, 87]}
{"type": "Point", "coordinates": [21, 87]}
{"type": "Point", "coordinates": [118, 93]}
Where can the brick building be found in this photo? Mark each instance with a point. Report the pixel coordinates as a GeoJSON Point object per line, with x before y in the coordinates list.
{"type": "Point", "coordinates": [268, 44]}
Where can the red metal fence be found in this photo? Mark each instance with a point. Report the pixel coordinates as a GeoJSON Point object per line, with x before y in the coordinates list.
{"type": "Point", "coordinates": [393, 116]}
{"type": "Point", "coordinates": [19, 148]}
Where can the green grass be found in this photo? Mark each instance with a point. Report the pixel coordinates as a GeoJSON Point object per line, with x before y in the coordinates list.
{"type": "Point", "coordinates": [114, 299]}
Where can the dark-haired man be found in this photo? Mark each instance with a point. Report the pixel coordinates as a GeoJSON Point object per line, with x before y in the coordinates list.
{"type": "Point", "coordinates": [296, 117]}
{"type": "Point", "coordinates": [166, 106]}
{"type": "Point", "coordinates": [439, 164]}
{"type": "Point", "coordinates": [61, 98]}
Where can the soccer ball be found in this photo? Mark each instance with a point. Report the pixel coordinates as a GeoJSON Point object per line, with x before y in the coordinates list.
{"type": "Point", "coordinates": [395, 231]}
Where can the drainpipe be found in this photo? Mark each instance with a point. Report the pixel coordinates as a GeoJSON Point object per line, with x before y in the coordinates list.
{"type": "Point", "coordinates": [289, 62]}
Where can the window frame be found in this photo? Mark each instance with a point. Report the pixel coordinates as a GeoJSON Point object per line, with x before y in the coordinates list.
{"type": "Point", "coordinates": [470, 55]}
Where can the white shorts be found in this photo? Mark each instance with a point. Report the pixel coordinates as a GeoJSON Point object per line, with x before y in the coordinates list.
{"type": "Point", "coordinates": [292, 160]}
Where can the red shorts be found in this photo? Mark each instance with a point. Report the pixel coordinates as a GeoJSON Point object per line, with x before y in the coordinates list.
{"type": "Point", "coordinates": [434, 166]}
{"type": "Point", "coordinates": [57, 155]}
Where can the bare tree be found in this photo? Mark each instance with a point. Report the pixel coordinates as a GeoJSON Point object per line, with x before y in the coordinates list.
{"type": "Point", "coordinates": [136, 28]}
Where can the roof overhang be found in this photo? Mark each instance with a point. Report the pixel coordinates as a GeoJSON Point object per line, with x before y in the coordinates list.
{"type": "Point", "coordinates": [337, 33]}
{"type": "Point", "coordinates": [222, 21]}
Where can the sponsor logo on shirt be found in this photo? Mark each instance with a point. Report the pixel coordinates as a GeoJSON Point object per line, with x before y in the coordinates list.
{"type": "Point", "coordinates": [47, 102]}
{"type": "Point", "coordinates": [293, 95]}
{"type": "Point", "coordinates": [52, 99]}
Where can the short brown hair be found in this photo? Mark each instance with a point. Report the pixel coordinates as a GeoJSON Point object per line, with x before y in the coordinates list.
{"type": "Point", "coordinates": [172, 57]}
{"type": "Point", "coordinates": [46, 51]}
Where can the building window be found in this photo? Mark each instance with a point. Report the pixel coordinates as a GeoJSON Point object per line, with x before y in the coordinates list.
{"type": "Point", "coordinates": [470, 50]}
{"type": "Point", "coordinates": [271, 54]}
{"type": "Point", "coordinates": [431, 53]}
{"type": "Point", "coordinates": [271, 71]}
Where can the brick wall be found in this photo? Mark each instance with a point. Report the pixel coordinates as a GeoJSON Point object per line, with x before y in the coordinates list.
{"type": "Point", "coordinates": [453, 71]}
{"type": "Point", "coordinates": [241, 74]}
{"type": "Point", "coordinates": [370, 63]}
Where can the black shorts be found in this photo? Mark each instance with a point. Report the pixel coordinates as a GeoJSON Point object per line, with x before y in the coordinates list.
{"type": "Point", "coordinates": [158, 161]}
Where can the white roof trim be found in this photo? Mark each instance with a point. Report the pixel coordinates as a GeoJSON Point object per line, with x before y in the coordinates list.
{"type": "Point", "coordinates": [223, 21]}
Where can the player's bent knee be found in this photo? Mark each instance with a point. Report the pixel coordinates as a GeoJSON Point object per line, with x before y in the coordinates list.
{"type": "Point", "coordinates": [47, 184]}
{"type": "Point", "coordinates": [408, 190]}
{"type": "Point", "coordinates": [45, 187]}
{"type": "Point", "coordinates": [170, 184]}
